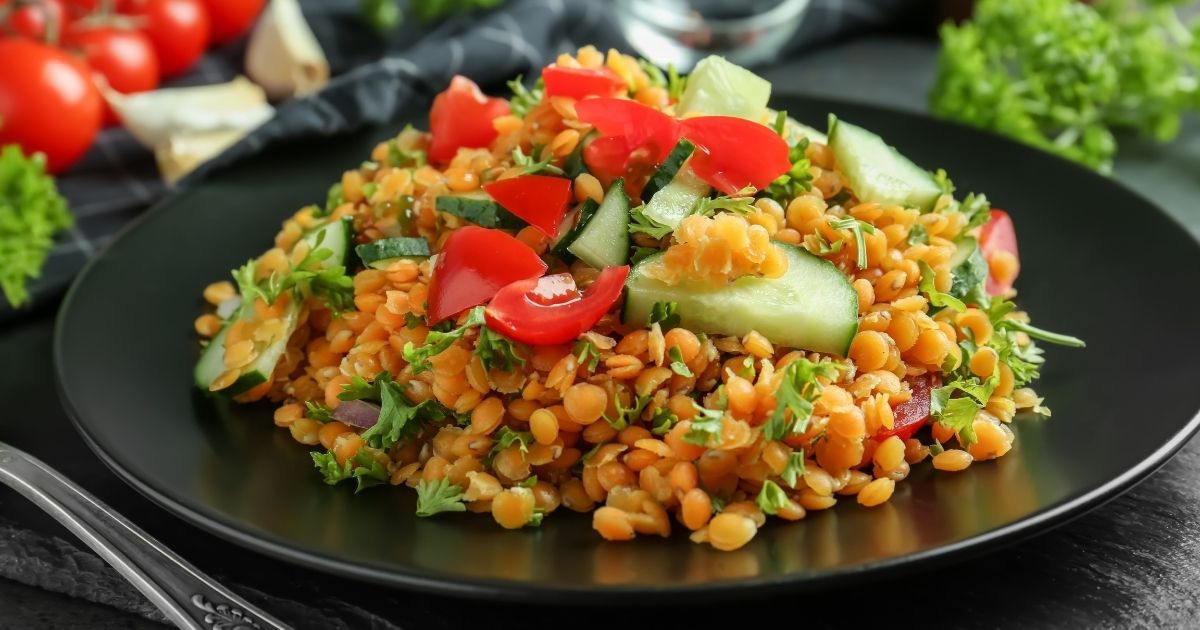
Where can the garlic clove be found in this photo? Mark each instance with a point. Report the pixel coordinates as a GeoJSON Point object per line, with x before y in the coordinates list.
{"type": "Point", "coordinates": [182, 153]}
{"type": "Point", "coordinates": [156, 116]}
{"type": "Point", "coordinates": [283, 55]}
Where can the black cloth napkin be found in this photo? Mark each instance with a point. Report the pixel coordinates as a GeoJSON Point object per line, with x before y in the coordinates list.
{"type": "Point", "coordinates": [374, 78]}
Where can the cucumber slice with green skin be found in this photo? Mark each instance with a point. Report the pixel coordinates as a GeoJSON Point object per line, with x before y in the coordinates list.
{"type": "Point", "coordinates": [968, 267]}
{"type": "Point", "coordinates": [603, 241]}
{"type": "Point", "coordinates": [877, 172]}
{"type": "Point", "coordinates": [573, 164]}
{"type": "Point", "coordinates": [721, 88]}
{"type": "Point", "coordinates": [336, 236]}
{"type": "Point", "coordinates": [480, 210]}
{"type": "Point", "coordinates": [811, 307]}
{"type": "Point", "coordinates": [676, 200]}
{"type": "Point", "coordinates": [572, 226]}
{"type": "Point", "coordinates": [379, 254]}
{"type": "Point", "coordinates": [670, 167]}
{"type": "Point", "coordinates": [212, 361]}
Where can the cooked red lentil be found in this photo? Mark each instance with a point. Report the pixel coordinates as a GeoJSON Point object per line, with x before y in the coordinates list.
{"type": "Point", "coordinates": [823, 321]}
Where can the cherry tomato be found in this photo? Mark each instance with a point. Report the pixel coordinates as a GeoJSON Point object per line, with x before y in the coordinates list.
{"type": "Point", "coordinates": [998, 238]}
{"type": "Point", "coordinates": [634, 139]}
{"type": "Point", "coordinates": [462, 117]}
{"type": "Point", "coordinates": [732, 153]}
{"type": "Point", "coordinates": [913, 413]}
{"type": "Point", "coordinates": [178, 29]}
{"type": "Point", "coordinates": [580, 82]}
{"type": "Point", "coordinates": [231, 18]}
{"type": "Point", "coordinates": [539, 200]}
{"type": "Point", "coordinates": [473, 265]}
{"type": "Point", "coordinates": [30, 20]}
{"type": "Point", "coordinates": [125, 58]}
{"type": "Point", "coordinates": [48, 102]}
{"type": "Point", "coordinates": [80, 8]}
{"type": "Point", "coordinates": [551, 310]}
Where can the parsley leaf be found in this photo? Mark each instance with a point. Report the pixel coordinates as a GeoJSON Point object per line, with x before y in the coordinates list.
{"type": "Point", "coordinates": [31, 213]}
{"type": "Point", "coordinates": [643, 224]}
{"type": "Point", "coordinates": [677, 364]}
{"type": "Point", "coordinates": [497, 351]}
{"type": "Point", "coordinates": [535, 162]}
{"type": "Point", "coordinates": [626, 415]}
{"type": "Point", "coordinates": [856, 228]}
{"type": "Point", "coordinates": [311, 275]}
{"type": "Point", "coordinates": [506, 437]}
{"type": "Point", "coordinates": [523, 98]}
{"type": "Point", "coordinates": [970, 275]}
{"type": "Point", "coordinates": [653, 72]}
{"type": "Point", "coordinates": [665, 314]}
{"type": "Point", "coordinates": [676, 84]}
{"type": "Point", "coordinates": [535, 519]}
{"type": "Point", "coordinates": [399, 157]}
{"type": "Point", "coordinates": [529, 482]}
{"type": "Point", "coordinates": [1044, 335]}
{"type": "Point", "coordinates": [797, 179]}
{"type": "Point", "coordinates": [794, 398]}
{"type": "Point", "coordinates": [705, 429]}
{"type": "Point", "coordinates": [662, 421]}
{"type": "Point", "coordinates": [399, 419]}
{"type": "Point", "coordinates": [437, 342]}
{"type": "Point", "coordinates": [918, 235]}
{"type": "Point", "coordinates": [587, 354]}
{"type": "Point", "coordinates": [435, 497]}
{"type": "Point", "coordinates": [794, 469]}
{"type": "Point", "coordinates": [363, 468]}
{"type": "Point", "coordinates": [642, 253]}
{"type": "Point", "coordinates": [937, 298]}
{"type": "Point", "coordinates": [771, 498]}
{"type": "Point", "coordinates": [318, 411]}
{"type": "Point", "coordinates": [741, 202]}
{"type": "Point", "coordinates": [957, 414]}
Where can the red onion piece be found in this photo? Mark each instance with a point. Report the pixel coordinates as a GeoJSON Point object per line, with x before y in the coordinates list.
{"type": "Point", "coordinates": [357, 413]}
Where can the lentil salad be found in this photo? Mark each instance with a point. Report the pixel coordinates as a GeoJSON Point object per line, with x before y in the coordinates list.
{"type": "Point", "coordinates": [634, 294]}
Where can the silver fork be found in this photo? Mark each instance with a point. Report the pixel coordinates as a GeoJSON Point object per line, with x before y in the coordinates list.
{"type": "Point", "coordinates": [189, 598]}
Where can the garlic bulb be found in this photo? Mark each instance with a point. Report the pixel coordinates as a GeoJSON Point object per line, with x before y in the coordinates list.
{"type": "Point", "coordinates": [283, 55]}
{"type": "Point", "coordinates": [182, 153]}
{"type": "Point", "coordinates": [156, 116]}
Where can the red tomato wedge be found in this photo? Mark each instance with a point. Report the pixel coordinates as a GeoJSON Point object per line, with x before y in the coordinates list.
{"type": "Point", "coordinates": [998, 238]}
{"type": "Point", "coordinates": [733, 153]}
{"type": "Point", "coordinates": [551, 310]}
{"type": "Point", "coordinates": [634, 138]}
{"type": "Point", "coordinates": [473, 265]}
{"type": "Point", "coordinates": [462, 117]}
{"type": "Point", "coordinates": [539, 200]}
{"type": "Point", "coordinates": [578, 83]}
{"type": "Point", "coordinates": [913, 413]}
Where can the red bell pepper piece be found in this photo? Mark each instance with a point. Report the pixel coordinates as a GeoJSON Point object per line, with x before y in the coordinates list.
{"type": "Point", "coordinates": [473, 265]}
{"type": "Point", "coordinates": [539, 200]}
{"type": "Point", "coordinates": [913, 413]}
{"type": "Point", "coordinates": [462, 117]}
{"type": "Point", "coordinates": [732, 153]}
{"type": "Point", "coordinates": [578, 83]}
{"type": "Point", "coordinates": [551, 310]}
{"type": "Point", "coordinates": [999, 235]}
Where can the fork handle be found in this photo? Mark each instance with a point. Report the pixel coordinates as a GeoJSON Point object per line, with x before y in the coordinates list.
{"type": "Point", "coordinates": [189, 598]}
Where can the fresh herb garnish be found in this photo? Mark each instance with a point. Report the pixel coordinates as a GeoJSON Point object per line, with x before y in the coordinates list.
{"type": "Point", "coordinates": [625, 416]}
{"type": "Point", "coordinates": [409, 158]}
{"type": "Point", "coordinates": [524, 99]}
{"type": "Point", "coordinates": [771, 498]}
{"type": "Point", "coordinates": [741, 202]}
{"type": "Point", "coordinates": [794, 469]}
{"type": "Point", "coordinates": [662, 421]}
{"type": "Point", "coordinates": [587, 354]}
{"type": "Point", "coordinates": [665, 314]}
{"type": "Point", "coordinates": [705, 429]}
{"type": "Point", "coordinates": [643, 224]}
{"type": "Point", "coordinates": [538, 161]}
{"type": "Point", "coordinates": [31, 213]}
{"type": "Point", "coordinates": [506, 437]}
{"type": "Point", "coordinates": [678, 365]}
{"type": "Point", "coordinates": [363, 468]}
{"type": "Point", "coordinates": [794, 398]}
{"type": "Point", "coordinates": [318, 411]}
{"type": "Point", "coordinates": [435, 497]}
{"type": "Point", "coordinates": [329, 283]}
{"type": "Point", "coordinates": [676, 84]}
{"type": "Point", "coordinates": [918, 235]}
{"type": "Point", "coordinates": [856, 228]}
{"type": "Point", "coordinates": [937, 298]}
{"type": "Point", "coordinates": [496, 351]}
{"type": "Point", "coordinates": [653, 72]}
{"type": "Point", "coordinates": [439, 341]}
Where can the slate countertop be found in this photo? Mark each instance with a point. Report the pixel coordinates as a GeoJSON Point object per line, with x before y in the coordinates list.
{"type": "Point", "coordinates": [1132, 562]}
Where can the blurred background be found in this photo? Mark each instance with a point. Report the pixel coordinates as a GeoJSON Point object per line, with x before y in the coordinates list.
{"type": "Point", "coordinates": [105, 105]}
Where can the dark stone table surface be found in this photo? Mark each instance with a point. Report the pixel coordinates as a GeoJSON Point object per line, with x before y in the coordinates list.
{"type": "Point", "coordinates": [1135, 562]}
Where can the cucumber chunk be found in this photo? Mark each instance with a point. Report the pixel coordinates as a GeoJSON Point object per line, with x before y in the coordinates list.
{"type": "Point", "coordinates": [676, 200]}
{"type": "Point", "coordinates": [812, 306]}
{"type": "Point", "coordinates": [379, 254]}
{"type": "Point", "coordinates": [669, 168]}
{"type": "Point", "coordinates": [968, 267]}
{"type": "Point", "coordinates": [336, 236]}
{"type": "Point", "coordinates": [877, 172]}
{"type": "Point", "coordinates": [571, 227]}
{"type": "Point", "coordinates": [479, 209]}
{"type": "Point", "coordinates": [721, 88]}
{"type": "Point", "coordinates": [603, 241]}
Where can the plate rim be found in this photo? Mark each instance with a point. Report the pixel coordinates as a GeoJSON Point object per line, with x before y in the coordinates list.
{"type": "Point", "coordinates": [275, 547]}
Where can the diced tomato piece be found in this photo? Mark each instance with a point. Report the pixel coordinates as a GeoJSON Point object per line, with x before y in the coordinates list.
{"type": "Point", "coordinates": [733, 153]}
{"type": "Point", "coordinates": [578, 83]}
{"type": "Point", "coordinates": [473, 265]}
{"type": "Point", "coordinates": [998, 240]}
{"type": "Point", "coordinates": [634, 138]}
{"type": "Point", "coordinates": [462, 117]}
{"type": "Point", "coordinates": [539, 200]}
{"type": "Point", "coordinates": [548, 311]}
{"type": "Point", "coordinates": [913, 413]}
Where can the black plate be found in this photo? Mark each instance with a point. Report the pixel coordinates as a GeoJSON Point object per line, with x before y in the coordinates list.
{"type": "Point", "coordinates": [1099, 262]}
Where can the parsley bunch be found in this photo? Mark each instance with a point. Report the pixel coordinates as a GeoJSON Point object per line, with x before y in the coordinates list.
{"type": "Point", "coordinates": [31, 213]}
{"type": "Point", "coordinates": [494, 349]}
{"type": "Point", "coordinates": [1060, 74]}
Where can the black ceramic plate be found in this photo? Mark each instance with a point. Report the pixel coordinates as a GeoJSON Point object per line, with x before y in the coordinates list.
{"type": "Point", "coordinates": [1098, 261]}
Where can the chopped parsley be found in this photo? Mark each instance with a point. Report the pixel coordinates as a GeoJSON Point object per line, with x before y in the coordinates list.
{"type": "Point", "coordinates": [524, 99]}
{"type": "Point", "coordinates": [794, 398]}
{"type": "Point", "coordinates": [653, 72]}
{"type": "Point", "coordinates": [624, 416]}
{"type": "Point", "coordinates": [676, 84]}
{"type": "Point", "coordinates": [645, 225]}
{"type": "Point", "coordinates": [797, 179]}
{"type": "Point", "coordinates": [413, 321]}
{"type": "Point", "coordinates": [587, 354]}
{"type": "Point", "coordinates": [535, 162]}
{"type": "Point", "coordinates": [741, 202]}
{"type": "Point", "coordinates": [328, 283]}
{"type": "Point", "coordinates": [497, 351]}
{"type": "Point", "coordinates": [662, 421]}
{"type": "Point", "coordinates": [333, 199]}
{"type": "Point", "coordinates": [363, 468]}
{"type": "Point", "coordinates": [506, 437]}
{"type": "Point", "coordinates": [705, 429]}
{"type": "Point", "coordinates": [529, 482]}
{"type": "Point", "coordinates": [957, 414]}
{"type": "Point", "coordinates": [918, 235]}
{"type": "Point", "coordinates": [31, 213]}
{"type": "Point", "coordinates": [318, 411]}
{"type": "Point", "coordinates": [435, 497]}
{"type": "Point", "coordinates": [772, 498]}
{"type": "Point", "coordinates": [856, 228]}
{"type": "Point", "coordinates": [642, 253]}
{"type": "Point", "coordinates": [665, 314]}
{"type": "Point", "coordinates": [399, 157]}
{"type": "Point", "coordinates": [535, 519]}
{"type": "Point", "coordinates": [937, 298]}
{"type": "Point", "coordinates": [439, 341]}
{"type": "Point", "coordinates": [794, 469]}
{"type": "Point", "coordinates": [677, 364]}
{"type": "Point", "coordinates": [399, 418]}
